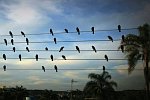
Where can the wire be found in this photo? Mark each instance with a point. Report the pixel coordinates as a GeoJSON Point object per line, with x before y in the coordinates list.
{"type": "Point", "coordinates": [73, 32]}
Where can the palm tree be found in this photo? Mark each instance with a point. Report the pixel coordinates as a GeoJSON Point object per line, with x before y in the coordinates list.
{"type": "Point", "coordinates": [100, 85]}
{"type": "Point", "coordinates": [137, 47]}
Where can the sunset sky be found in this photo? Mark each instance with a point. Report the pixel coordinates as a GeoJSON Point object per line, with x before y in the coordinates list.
{"type": "Point", "coordinates": [38, 16]}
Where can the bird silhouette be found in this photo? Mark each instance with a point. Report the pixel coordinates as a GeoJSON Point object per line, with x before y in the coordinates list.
{"type": "Point", "coordinates": [61, 49]}
{"type": "Point", "coordinates": [10, 33]}
{"type": "Point", "coordinates": [36, 57]}
{"type": "Point", "coordinates": [63, 57]}
{"type": "Point", "coordinates": [4, 67]}
{"type": "Point", "coordinates": [4, 56]}
{"type": "Point", "coordinates": [119, 28]}
{"type": "Point", "coordinates": [55, 67]}
{"type": "Point", "coordinates": [55, 40]}
{"type": "Point", "coordinates": [103, 68]}
{"type": "Point", "coordinates": [43, 68]}
{"type": "Point", "coordinates": [20, 57]}
{"type": "Point", "coordinates": [14, 49]}
{"type": "Point", "coordinates": [94, 48]}
{"type": "Point", "coordinates": [12, 41]}
{"type": "Point", "coordinates": [27, 49]}
{"type": "Point", "coordinates": [123, 38]}
{"type": "Point", "coordinates": [52, 58]}
{"type": "Point", "coordinates": [77, 48]}
{"type": "Point", "coordinates": [22, 33]}
{"type": "Point", "coordinates": [78, 30]}
{"type": "Point", "coordinates": [106, 57]}
{"type": "Point", "coordinates": [51, 31]}
{"type": "Point", "coordinates": [92, 29]}
{"type": "Point", "coordinates": [66, 30]}
{"type": "Point", "coordinates": [110, 38]}
{"type": "Point", "coordinates": [122, 48]}
{"type": "Point", "coordinates": [5, 41]}
{"type": "Point", "coordinates": [27, 41]}
{"type": "Point", "coordinates": [46, 49]}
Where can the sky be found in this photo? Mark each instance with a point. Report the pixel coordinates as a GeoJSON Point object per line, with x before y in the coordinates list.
{"type": "Point", "coordinates": [38, 16]}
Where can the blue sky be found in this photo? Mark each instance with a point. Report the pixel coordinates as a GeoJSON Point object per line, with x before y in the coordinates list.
{"type": "Point", "coordinates": [38, 16]}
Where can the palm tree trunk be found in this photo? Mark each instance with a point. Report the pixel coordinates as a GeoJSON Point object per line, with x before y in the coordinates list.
{"type": "Point", "coordinates": [146, 74]}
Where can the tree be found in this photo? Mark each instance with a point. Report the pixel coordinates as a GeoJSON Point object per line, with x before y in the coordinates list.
{"type": "Point", "coordinates": [100, 85]}
{"type": "Point", "coordinates": [137, 47]}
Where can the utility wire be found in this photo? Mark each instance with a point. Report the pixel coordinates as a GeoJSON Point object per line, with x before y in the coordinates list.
{"type": "Point", "coordinates": [74, 32]}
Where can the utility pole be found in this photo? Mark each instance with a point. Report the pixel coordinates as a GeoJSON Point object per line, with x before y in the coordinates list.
{"type": "Point", "coordinates": [72, 81]}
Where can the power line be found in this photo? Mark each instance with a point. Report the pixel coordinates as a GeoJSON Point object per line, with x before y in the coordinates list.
{"type": "Point", "coordinates": [74, 32]}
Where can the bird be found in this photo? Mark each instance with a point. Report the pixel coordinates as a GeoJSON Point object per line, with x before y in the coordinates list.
{"type": "Point", "coordinates": [12, 41]}
{"type": "Point", "coordinates": [27, 41]}
{"type": "Point", "coordinates": [5, 41]}
{"type": "Point", "coordinates": [110, 38]}
{"type": "Point", "coordinates": [43, 68]}
{"type": "Point", "coordinates": [22, 33]}
{"type": "Point", "coordinates": [14, 49]}
{"type": "Point", "coordinates": [61, 49]}
{"type": "Point", "coordinates": [55, 67]}
{"type": "Point", "coordinates": [4, 56]}
{"type": "Point", "coordinates": [66, 30]}
{"type": "Point", "coordinates": [77, 48]}
{"type": "Point", "coordinates": [27, 49]}
{"type": "Point", "coordinates": [78, 30]}
{"type": "Point", "coordinates": [36, 56]}
{"type": "Point", "coordinates": [92, 29]}
{"type": "Point", "coordinates": [51, 31]}
{"type": "Point", "coordinates": [103, 68]}
{"type": "Point", "coordinates": [106, 57]}
{"type": "Point", "coordinates": [52, 58]}
{"type": "Point", "coordinates": [55, 40]}
{"type": "Point", "coordinates": [20, 57]}
{"type": "Point", "coordinates": [4, 67]}
{"type": "Point", "coordinates": [122, 48]}
{"type": "Point", "coordinates": [63, 57]}
{"type": "Point", "coordinates": [123, 38]}
{"type": "Point", "coordinates": [94, 49]}
{"type": "Point", "coordinates": [46, 48]}
{"type": "Point", "coordinates": [10, 33]}
{"type": "Point", "coordinates": [119, 28]}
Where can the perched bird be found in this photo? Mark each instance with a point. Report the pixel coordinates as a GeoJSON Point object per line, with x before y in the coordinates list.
{"type": "Point", "coordinates": [78, 30]}
{"type": "Point", "coordinates": [63, 57]}
{"type": "Point", "coordinates": [77, 48]}
{"type": "Point", "coordinates": [22, 33]}
{"type": "Point", "coordinates": [92, 29]}
{"type": "Point", "coordinates": [14, 49]}
{"type": "Point", "coordinates": [122, 48]}
{"type": "Point", "coordinates": [12, 41]}
{"type": "Point", "coordinates": [46, 49]}
{"type": "Point", "coordinates": [4, 56]}
{"type": "Point", "coordinates": [94, 48]}
{"type": "Point", "coordinates": [66, 30]}
{"type": "Point", "coordinates": [51, 31]}
{"type": "Point", "coordinates": [106, 57]}
{"type": "Point", "coordinates": [123, 38]}
{"type": "Point", "coordinates": [110, 38]}
{"type": "Point", "coordinates": [20, 57]}
{"type": "Point", "coordinates": [27, 41]}
{"type": "Point", "coordinates": [36, 57]}
{"type": "Point", "coordinates": [55, 40]}
{"type": "Point", "coordinates": [52, 58]}
{"type": "Point", "coordinates": [43, 68]}
{"type": "Point", "coordinates": [119, 28]}
{"type": "Point", "coordinates": [61, 49]}
{"type": "Point", "coordinates": [103, 68]}
{"type": "Point", "coordinates": [10, 33]}
{"type": "Point", "coordinates": [4, 67]}
{"type": "Point", "coordinates": [55, 67]}
{"type": "Point", "coordinates": [5, 41]}
{"type": "Point", "coordinates": [27, 49]}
